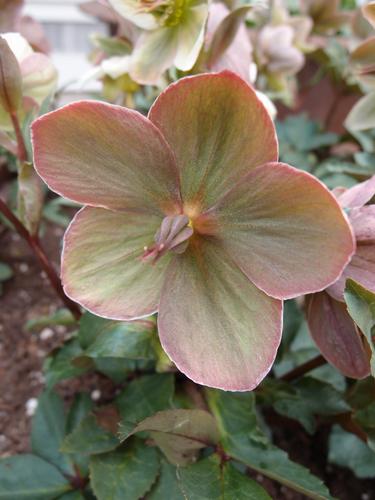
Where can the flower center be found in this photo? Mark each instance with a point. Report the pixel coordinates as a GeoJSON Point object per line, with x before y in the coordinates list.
{"type": "Point", "coordinates": [167, 12]}
{"type": "Point", "coordinates": [173, 235]}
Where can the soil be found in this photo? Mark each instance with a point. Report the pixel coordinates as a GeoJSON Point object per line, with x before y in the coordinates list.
{"type": "Point", "coordinates": [29, 295]}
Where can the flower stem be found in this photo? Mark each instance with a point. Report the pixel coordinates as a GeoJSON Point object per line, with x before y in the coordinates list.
{"type": "Point", "coordinates": [34, 243]}
{"type": "Point", "coordinates": [304, 368]}
{"type": "Point", "coordinates": [22, 154]}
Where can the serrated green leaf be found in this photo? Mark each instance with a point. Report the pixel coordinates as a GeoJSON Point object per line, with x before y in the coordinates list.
{"type": "Point", "coordinates": [48, 429]}
{"type": "Point", "coordinates": [128, 473]}
{"type": "Point", "coordinates": [59, 366]}
{"type": "Point", "coordinates": [89, 438]}
{"type": "Point", "coordinates": [275, 464]}
{"type": "Point", "coordinates": [304, 399]}
{"type": "Point", "coordinates": [361, 307]}
{"type": "Point", "coordinates": [167, 485]}
{"type": "Point", "coordinates": [347, 450]}
{"type": "Point", "coordinates": [207, 479]}
{"type": "Point", "coordinates": [180, 434]}
{"type": "Point", "coordinates": [201, 481]}
{"type": "Point", "coordinates": [241, 487]}
{"type": "Point", "coordinates": [28, 477]}
{"type": "Point", "coordinates": [243, 440]}
{"type": "Point", "coordinates": [79, 409]}
{"type": "Point", "coordinates": [143, 397]}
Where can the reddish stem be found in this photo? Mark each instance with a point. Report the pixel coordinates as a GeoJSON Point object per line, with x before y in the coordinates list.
{"type": "Point", "coordinates": [44, 262]}
{"type": "Point", "coordinates": [304, 368]}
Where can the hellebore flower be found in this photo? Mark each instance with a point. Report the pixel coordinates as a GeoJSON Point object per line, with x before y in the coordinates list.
{"type": "Point", "coordinates": [39, 76]}
{"type": "Point", "coordinates": [173, 35]}
{"type": "Point", "coordinates": [190, 214]}
{"type": "Point", "coordinates": [331, 327]}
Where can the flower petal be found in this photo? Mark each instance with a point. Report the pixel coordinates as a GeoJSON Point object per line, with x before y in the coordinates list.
{"type": "Point", "coordinates": [336, 336]}
{"type": "Point", "coordinates": [284, 229]}
{"type": "Point", "coordinates": [154, 53]}
{"type": "Point", "coordinates": [190, 36]}
{"type": "Point", "coordinates": [361, 269]}
{"type": "Point", "coordinates": [130, 9]}
{"type": "Point", "coordinates": [215, 325]}
{"type": "Point", "coordinates": [358, 195]}
{"type": "Point", "coordinates": [363, 223]}
{"type": "Point", "coordinates": [104, 155]}
{"type": "Point", "coordinates": [218, 130]}
{"type": "Point", "coordinates": [102, 267]}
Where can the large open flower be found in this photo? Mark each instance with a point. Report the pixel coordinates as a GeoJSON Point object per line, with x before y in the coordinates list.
{"type": "Point", "coordinates": [189, 214]}
{"type": "Point", "coordinates": [331, 327]}
{"type": "Point", "coordinates": [173, 35]}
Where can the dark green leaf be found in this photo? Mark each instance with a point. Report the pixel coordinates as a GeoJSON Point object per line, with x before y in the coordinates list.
{"type": "Point", "coordinates": [201, 481]}
{"type": "Point", "coordinates": [48, 429]}
{"type": "Point", "coordinates": [240, 487]}
{"type": "Point", "coordinates": [59, 366]}
{"type": "Point", "coordinates": [128, 473]}
{"type": "Point", "coordinates": [89, 438]}
{"type": "Point", "coordinates": [117, 339]}
{"type": "Point", "coordinates": [80, 408]}
{"type": "Point", "coordinates": [243, 440]}
{"type": "Point", "coordinates": [168, 485]}
{"type": "Point", "coordinates": [304, 399]}
{"type": "Point", "coordinates": [347, 450]}
{"type": "Point", "coordinates": [27, 477]}
{"type": "Point", "coordinates": [143, 397]}
{"type": "Point", "coordinates": [180, 434]}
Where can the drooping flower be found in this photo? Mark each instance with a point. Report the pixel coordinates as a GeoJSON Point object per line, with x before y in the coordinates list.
{"type": "Point", "coordinates": [39, 76]}
{"type": "Point", "coordinates": [173, 35]}
{"type": "Point", "coordinates": [188, 213]}
{"type": "Point", "coordinates": [237, 56]}
{"type": "Point", "coordinates": [331, 326]}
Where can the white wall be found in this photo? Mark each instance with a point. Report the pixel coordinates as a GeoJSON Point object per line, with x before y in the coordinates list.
{"type": "Point", "coordinates": [68, 30]}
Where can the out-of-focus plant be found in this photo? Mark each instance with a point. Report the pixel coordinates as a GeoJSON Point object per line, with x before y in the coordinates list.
{"type": "Point", "coordinates": [279, 49]}
{"type": "Point", "coordinates": [332, 328]}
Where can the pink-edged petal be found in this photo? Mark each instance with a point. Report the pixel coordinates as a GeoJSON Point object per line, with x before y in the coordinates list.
{"type": "Point", "coordinates": [336, 336]}
{"type": "Point", "coordinates": [215, 325]}
{"type": "Point", "coordinates": [218, 130]}
{"type": "Point", "coordinates": [106, 156]}
{"type": "Point", "coordinates": [358, 195]}
{"type": "Point", "coordinates": [361, 269]}
{"type": "Point", "coordinates": [238, 56]}
{"type": "Point", "coordinates": [102, 267]}
{"type": "Point", "coordinates": [284, 229]}
{"type": "Point", "coordinates": [363, 223]}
